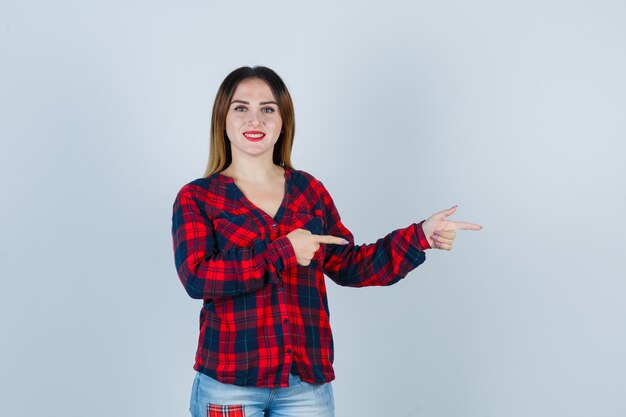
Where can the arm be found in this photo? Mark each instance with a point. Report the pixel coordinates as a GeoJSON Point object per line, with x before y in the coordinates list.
{"type": "Point", "coordinates": [207, 273]}
{"type": "Point", "coordinates": [385, 262]}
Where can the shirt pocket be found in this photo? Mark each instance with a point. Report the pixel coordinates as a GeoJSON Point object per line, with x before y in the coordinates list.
{"type": "Point", "coordinates": [306, 220]}
{"type": "Point", "coordinates": [312, 223]}
{"type": "Point", "coordinates": [235, 230]}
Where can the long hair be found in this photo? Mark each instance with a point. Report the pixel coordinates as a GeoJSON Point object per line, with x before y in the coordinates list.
{"type": "Point", "coordinates": [220, 156]}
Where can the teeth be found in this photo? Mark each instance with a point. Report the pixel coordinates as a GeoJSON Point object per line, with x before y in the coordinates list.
{"type": "Point", "coordinates": [254, 135]}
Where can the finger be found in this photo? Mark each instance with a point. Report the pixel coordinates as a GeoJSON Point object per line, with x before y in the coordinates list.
{"type": "Point", "coordinates": [462, 226]}
{"type": "Point", "coordinates": [445, 213]}
{"type": "Point", "coordinates": [333, 240]}
{"type": "Point", "coordinates": [448, 234]}
{"type": "Point", "coordinates": [440, 239]}
{"type": "Point", "coordinates": [443, 246]}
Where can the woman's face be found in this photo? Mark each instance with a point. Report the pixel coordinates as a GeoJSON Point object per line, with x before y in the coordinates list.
{"type": "Point", "coordinates": [253, 122]}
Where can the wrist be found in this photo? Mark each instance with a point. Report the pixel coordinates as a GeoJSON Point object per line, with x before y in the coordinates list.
{"type": "Point", "coordinates": [424, 241]}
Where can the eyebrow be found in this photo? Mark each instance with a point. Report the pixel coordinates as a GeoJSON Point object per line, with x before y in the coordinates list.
{"type": "Point", "coordinates": [247, 102]}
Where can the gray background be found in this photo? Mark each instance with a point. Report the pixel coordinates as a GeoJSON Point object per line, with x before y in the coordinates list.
{"type": "Point", "coordinates": [512, 110]}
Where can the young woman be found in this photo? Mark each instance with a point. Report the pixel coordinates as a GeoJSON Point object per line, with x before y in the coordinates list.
{"type": "Point", "coordinates": [253, 238]}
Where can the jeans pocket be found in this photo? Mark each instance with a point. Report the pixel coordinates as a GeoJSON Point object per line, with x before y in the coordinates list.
{"type": "Point", "coordinates": [215, 410]}
{"type": "Point", "coordinates": [322, 394]}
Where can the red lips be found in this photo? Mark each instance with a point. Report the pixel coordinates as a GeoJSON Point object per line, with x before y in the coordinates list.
{"type": "Point", "coordinates": [254, 135]}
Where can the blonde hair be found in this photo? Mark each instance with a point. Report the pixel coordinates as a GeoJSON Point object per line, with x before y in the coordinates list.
{"type": "Point", "coordinates": [219, 153]}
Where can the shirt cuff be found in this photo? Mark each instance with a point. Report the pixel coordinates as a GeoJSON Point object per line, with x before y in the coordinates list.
{"type": "Point", "coordinates": [285, 252]}
{"type": "Point", "coordinates": [421, 237]}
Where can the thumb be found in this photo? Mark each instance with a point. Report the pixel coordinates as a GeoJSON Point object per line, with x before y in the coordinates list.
{"type": "Point", "coordinates": [445, 213]}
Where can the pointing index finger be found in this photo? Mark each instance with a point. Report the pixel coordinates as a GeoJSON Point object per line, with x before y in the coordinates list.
{"type": "Point", "coordinates": [330, 239]}
{"type": "Point", "coordinates": [464, 226]}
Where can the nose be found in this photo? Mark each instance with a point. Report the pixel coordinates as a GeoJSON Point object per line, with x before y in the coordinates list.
{"type": "Point", "coordinates": [253, 119]}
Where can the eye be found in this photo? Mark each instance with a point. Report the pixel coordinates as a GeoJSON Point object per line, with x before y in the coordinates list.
{"type": "Point", "coordinates": [239, 108]}
{"type": "Point", "coordinates": [268, 110]}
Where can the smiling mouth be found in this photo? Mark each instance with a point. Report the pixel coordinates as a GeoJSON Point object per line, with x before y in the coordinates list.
{"type": "Point", "coordinates": [254, 136]}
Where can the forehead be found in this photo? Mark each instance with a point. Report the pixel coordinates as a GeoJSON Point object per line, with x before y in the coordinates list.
{"type": "Point", "coordinates": [253, 89]}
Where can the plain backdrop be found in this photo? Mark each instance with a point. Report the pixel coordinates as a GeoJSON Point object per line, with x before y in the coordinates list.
{"type": "Point", "coordinates": [514, 110]}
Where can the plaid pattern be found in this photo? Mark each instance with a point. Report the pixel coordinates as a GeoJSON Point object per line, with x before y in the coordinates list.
{"type": "Point", "coordinates": [213, 410]}
{"type": "Point", "coordinates": [263, 314]}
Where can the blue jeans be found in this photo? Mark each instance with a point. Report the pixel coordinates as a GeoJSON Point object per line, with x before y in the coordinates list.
{"type": "Point", "coordinates": [299, 399]}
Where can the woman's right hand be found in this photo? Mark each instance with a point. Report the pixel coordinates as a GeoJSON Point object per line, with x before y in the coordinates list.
{"type": "Point", "coordinates": [305, 244]}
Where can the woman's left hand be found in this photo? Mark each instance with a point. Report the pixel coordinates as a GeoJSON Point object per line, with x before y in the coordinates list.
{"type": "Point", "coordinates": [440, 232]}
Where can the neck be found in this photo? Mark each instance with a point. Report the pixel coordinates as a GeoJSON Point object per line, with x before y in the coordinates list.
{"type": "Point", "coordinates": [253, 170]}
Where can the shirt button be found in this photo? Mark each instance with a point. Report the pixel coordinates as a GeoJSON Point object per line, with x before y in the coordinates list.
{"type": "Point", "coordinates": [286, 321]}
{"type": "Point", "coordinates": [289, 351]}
{"type": "Point", "coordinates": [281, 289]}
{"type": "Point", "coordinates": [274, 226]}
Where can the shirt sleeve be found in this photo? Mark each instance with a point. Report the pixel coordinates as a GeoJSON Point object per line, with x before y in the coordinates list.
{"type": "Point", "coordinates": [208, 273]}
{"type": "Point", "coordinates": [384, 262]}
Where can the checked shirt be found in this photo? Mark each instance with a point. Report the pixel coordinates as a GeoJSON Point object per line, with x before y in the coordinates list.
{"type": "Point", "coordinates": [263, 315]}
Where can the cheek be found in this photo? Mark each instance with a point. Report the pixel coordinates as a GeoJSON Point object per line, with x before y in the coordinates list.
{"type": "Point", "coordinates": [231, 123]}
{"type": "Point", "coordinates": [279, 124]}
